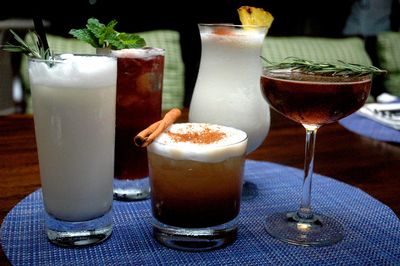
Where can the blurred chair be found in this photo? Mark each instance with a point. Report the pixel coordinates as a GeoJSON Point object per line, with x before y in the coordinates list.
{"type": "Point", "coordinates": [8, 75]}
{"type": "Point", "coordinates": [6, 84]}
{"type": "Point", "coordinates": [388, 48]}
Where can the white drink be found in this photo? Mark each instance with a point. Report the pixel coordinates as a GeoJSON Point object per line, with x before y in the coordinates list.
{"type": "Point", "coordinates": [74, 114]}
{"type": "Point", "coordinates": [227, 90]}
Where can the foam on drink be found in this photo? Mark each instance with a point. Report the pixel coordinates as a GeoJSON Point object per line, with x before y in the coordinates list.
{"type": "Point", "coordinates": [84, 72]}
{"type": "Point", "coordinates": [138, 52]}
{"type": "Point", "coordinates": [200, 142]}
{"type": "Point", "coordinates": [233, 37]}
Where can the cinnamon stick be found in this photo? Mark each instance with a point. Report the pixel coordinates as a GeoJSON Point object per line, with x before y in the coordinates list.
{"type": "Point", "coordinates": [146, 136]}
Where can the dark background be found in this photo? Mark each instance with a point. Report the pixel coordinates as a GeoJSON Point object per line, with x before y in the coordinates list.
{"type": "Point", "coordinates": [292, 18]}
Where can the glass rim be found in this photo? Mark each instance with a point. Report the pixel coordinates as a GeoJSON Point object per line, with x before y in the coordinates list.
{"type": "Point", "coordinates": [231, 25]}
{"type": "Point", "coordinates": [210, 145]}
{"type": "Point", "coordinates": [141, 48]}
{"type": "Point", "coordinates": [284, 72]}
{"type": "Point", "coordinates": [157, 51]}
{"type": "Point", "coordinates": [57, 59]}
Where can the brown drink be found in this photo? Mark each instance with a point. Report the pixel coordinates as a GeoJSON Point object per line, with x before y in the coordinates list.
{"type": "Point", "coordinates": [315, 99]}
{"type": "Point", "coordinates": [196, 173]}
{"type": "Point", "coordinates": [195, 194]}
{"type": "Point", "coordinates": [139, 95]}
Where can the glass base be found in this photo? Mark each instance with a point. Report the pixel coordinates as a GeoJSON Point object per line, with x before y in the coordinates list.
{"type": "Point", "coordinates": [131, 190]}
{"type": "Point", "coordinates": [73, 234]}
{"type": "Point", "coordinates": [317, 231]}
{"type": "Point", "coordinates": [195, 239]}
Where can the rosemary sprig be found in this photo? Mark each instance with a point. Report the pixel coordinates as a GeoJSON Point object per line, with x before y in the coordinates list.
{"type": "Point", "coordinates": [340, 69]}
{"type": "Point", "coordinates": [30, 47]}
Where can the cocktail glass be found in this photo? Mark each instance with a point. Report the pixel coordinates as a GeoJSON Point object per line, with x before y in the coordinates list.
{"type": "Point", "coordinates": [313, 100]}
{"type": "Point", "coordinates": [196, 174]}
{"type": "Point", "coordinates": [139, 103]}
{"type": "Point", "coordinates": [227, 90]}
{"type": "Point", "coordinates": [74, 113]}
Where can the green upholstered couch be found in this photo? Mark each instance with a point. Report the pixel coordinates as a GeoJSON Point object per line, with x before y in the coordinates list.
{"type": "Point", "coordinates": [389, 57]}
{"type": "Point", "coordinates": [316, 48]}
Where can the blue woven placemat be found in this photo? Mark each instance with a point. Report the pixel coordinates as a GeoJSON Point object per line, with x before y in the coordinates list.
{"type": "Point", "coordinates": [372, 230]}
{"type": "Point", "coordinates": [369, 128]}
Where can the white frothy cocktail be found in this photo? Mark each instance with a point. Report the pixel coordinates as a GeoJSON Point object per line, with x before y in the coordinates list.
{"type": "Point", "coordinates": [227, 90]}
{"type": "Point", "coordinates": [74, 113]}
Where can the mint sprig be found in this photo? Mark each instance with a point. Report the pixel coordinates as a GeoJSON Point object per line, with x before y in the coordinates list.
{"type": "Point", "coordinates": [100, 35]}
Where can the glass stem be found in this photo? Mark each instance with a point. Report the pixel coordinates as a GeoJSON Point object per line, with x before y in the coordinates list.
{"type": "Point", "coordinates": [305, 206]}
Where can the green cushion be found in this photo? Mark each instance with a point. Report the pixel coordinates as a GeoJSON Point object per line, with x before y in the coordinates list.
{"type": "Point", "coordinates": [316, 48]}
{"type": "Point", "coordinates": [173, 86]}
{"type": "Point", "coordinates": [392, 83]}
{"type": "Point", "coordinates": [389, 56]}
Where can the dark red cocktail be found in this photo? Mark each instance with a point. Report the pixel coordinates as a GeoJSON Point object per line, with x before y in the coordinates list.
{"type": "Point", "coordinates": [315, 99]}
{"type": "Point", "coordinates": [139, 95]}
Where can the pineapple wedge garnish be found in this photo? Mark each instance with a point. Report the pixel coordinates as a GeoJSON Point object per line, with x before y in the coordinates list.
{"type": "Point", "coordinates": [255, 16]}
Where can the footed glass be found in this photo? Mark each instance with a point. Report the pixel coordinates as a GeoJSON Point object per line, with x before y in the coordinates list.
{"type": "Point", "coordinates": [312, 100]}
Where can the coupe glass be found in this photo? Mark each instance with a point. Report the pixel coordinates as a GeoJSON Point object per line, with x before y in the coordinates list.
{"type": "Point", "coordinates": [313, 100]}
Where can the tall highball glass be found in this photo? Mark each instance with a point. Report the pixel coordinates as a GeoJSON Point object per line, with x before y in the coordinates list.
{"type": "Point", "coordinates": [74, 114]}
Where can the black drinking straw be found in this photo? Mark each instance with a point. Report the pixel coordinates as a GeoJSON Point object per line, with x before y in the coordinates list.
{"type": "Point", "coordinates": [39, 28]}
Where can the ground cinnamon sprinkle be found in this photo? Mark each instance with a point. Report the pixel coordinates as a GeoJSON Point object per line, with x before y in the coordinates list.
{"type": "Point", "coordinates": [206, 136]}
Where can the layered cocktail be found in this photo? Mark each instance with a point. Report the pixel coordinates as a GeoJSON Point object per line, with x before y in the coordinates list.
{"type": "Point", "coordinates": [196, 173]}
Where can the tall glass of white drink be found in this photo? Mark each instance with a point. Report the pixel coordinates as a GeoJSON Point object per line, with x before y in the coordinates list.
{"type": "Point", "coordinates": [74, 113]}
{"type": "Point", "coordinates": [227, 90]}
